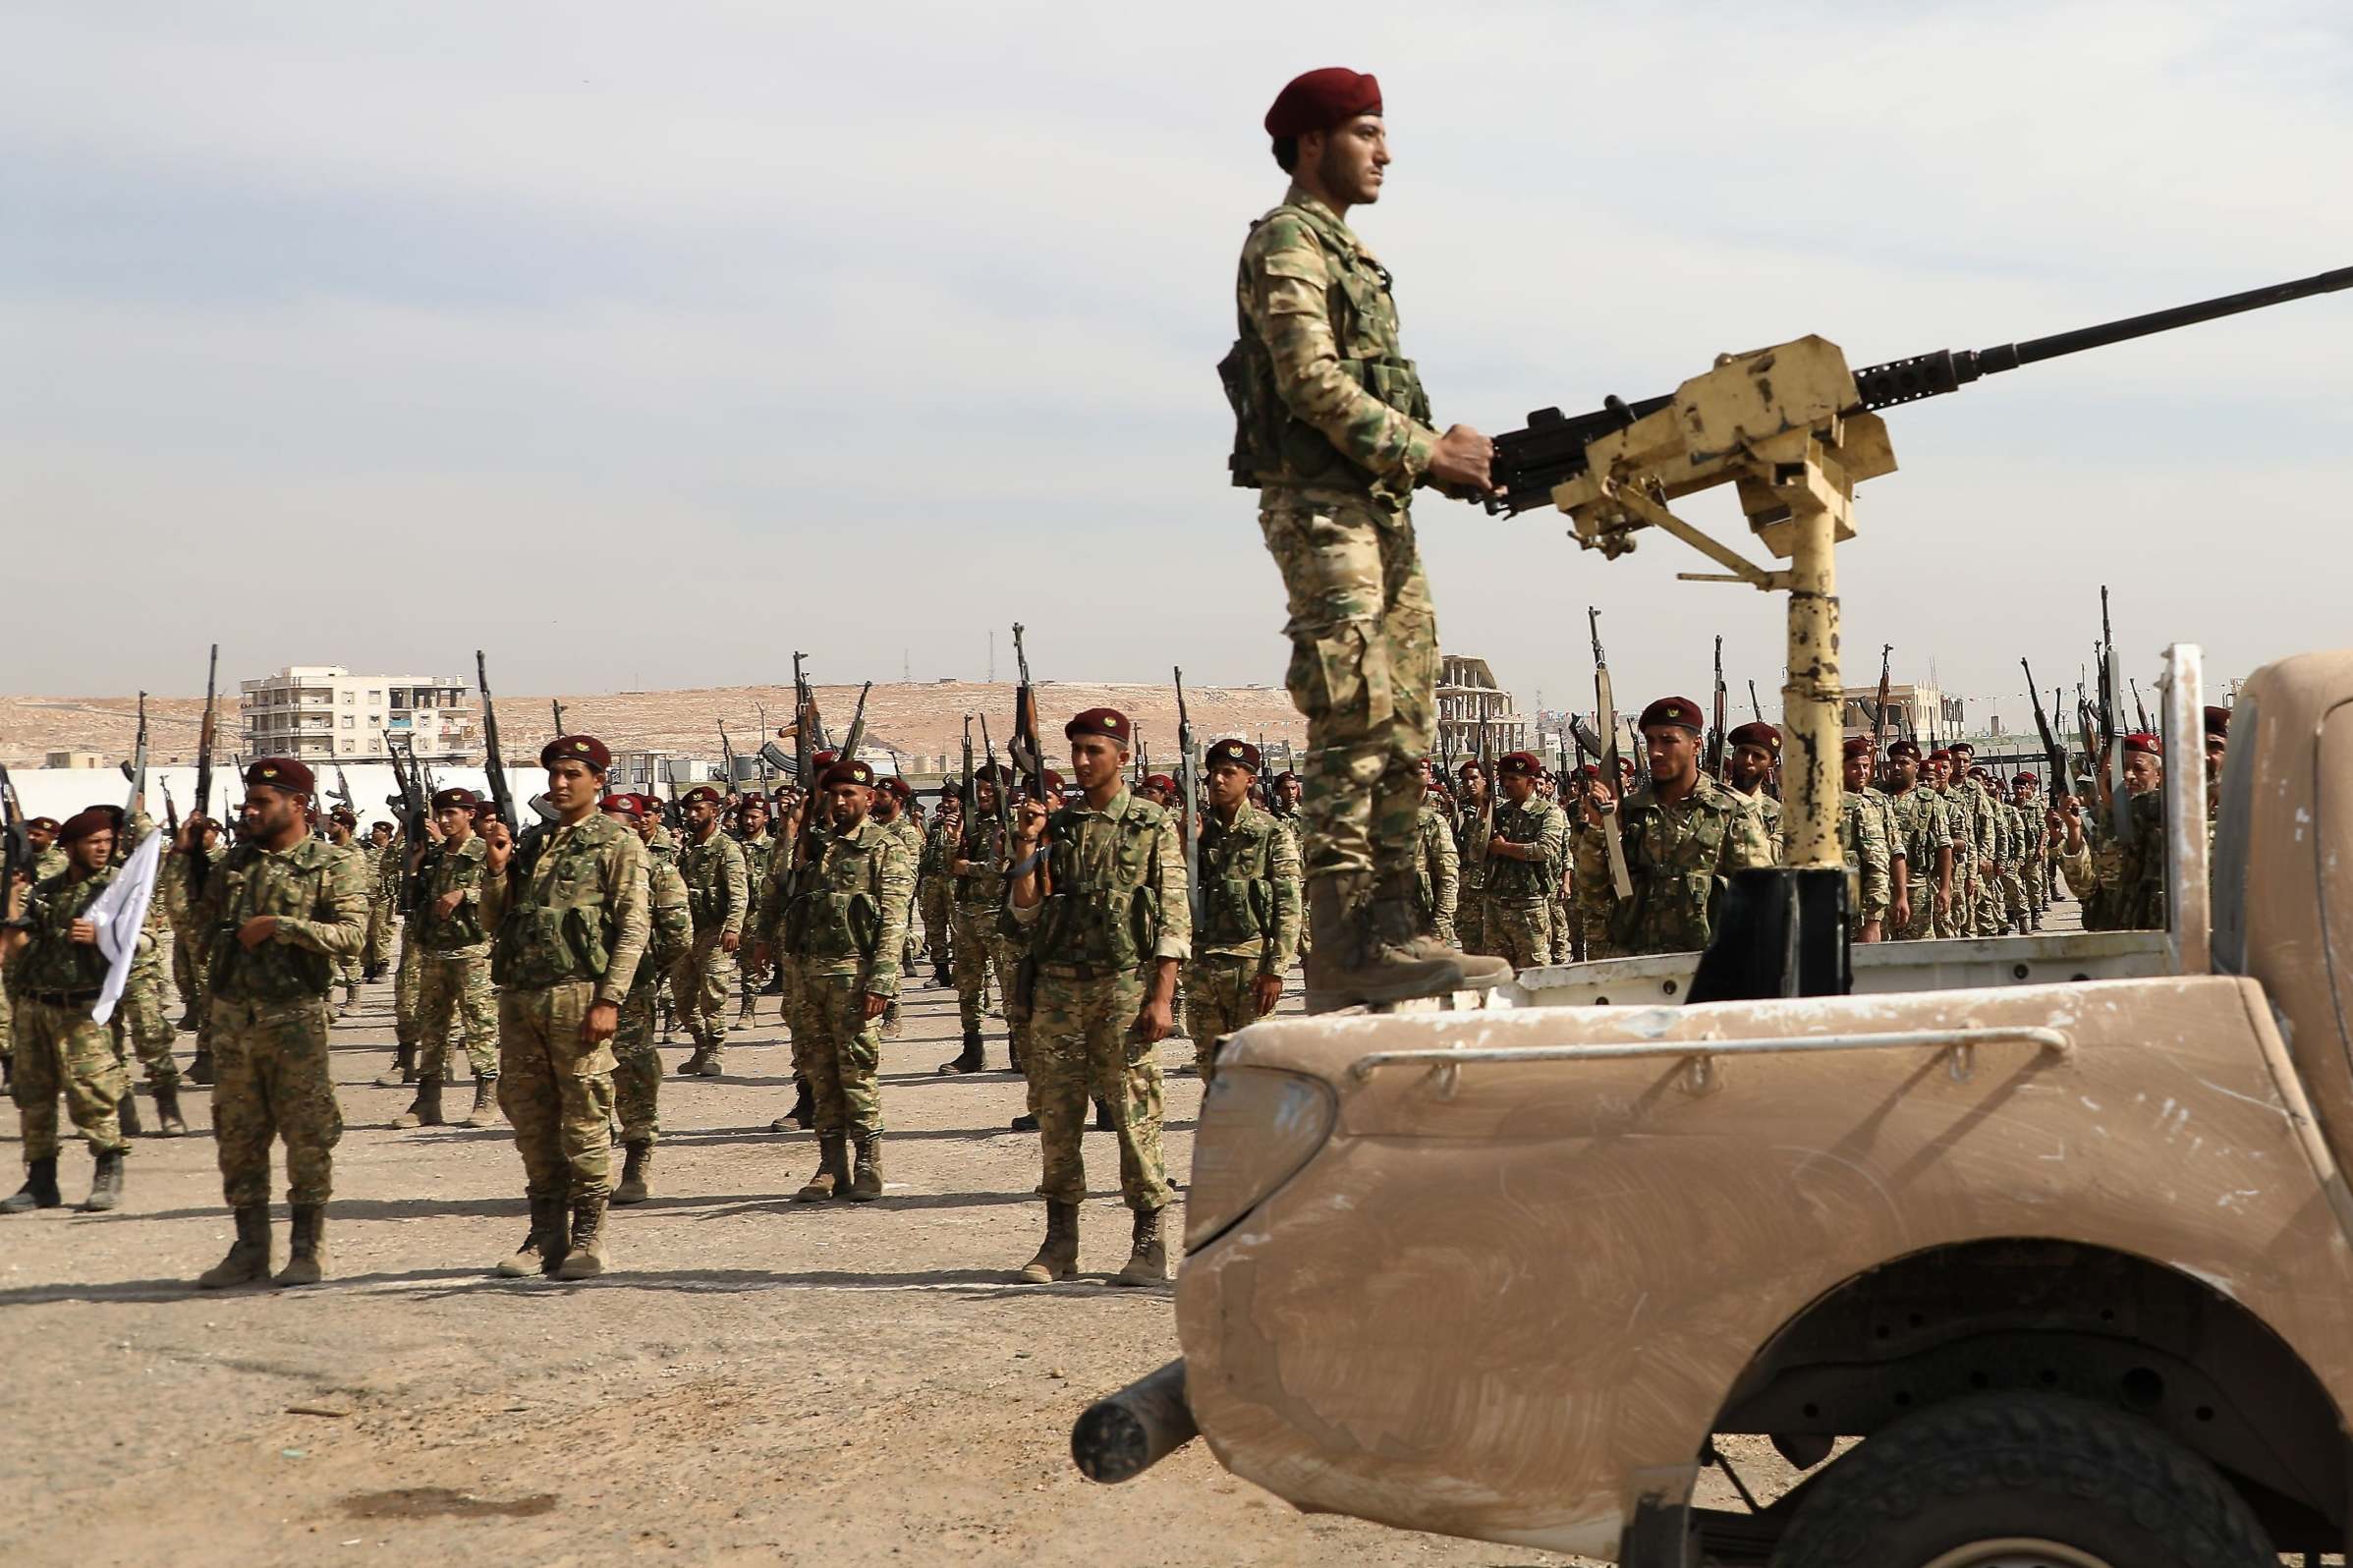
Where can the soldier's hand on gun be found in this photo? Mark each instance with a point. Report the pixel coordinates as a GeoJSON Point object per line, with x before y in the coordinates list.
{"type": "Point", "coordinates": [1031, 827]}
{"type": "Point", "coordinates": [1265, 991]}
{"type": "Point", "coordinates": [598, 1024]}
{"type": "Point", "coordinates": [191, 833]}
{"type": "Point", "coordinates": [497, 844]}
{"type": "Point", "coordinates": [1597, 801]}
{"type": "Point", "coordinates": [253, 932]}
{"type": "Point", "coordinates": [1464, 459]}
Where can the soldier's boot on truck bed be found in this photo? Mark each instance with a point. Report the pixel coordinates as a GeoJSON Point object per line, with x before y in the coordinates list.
{"type": "Point", "coordinates": [248, 1258]}
{"type": "Point", "coordinates": [426, 1109]}
{"type": "Point", "coordinates": [306, 1263]}
{"type": "Point", "coordinates": [833, 1172]}
{"type": "Point", "coordinates": [106, 1183]}
{"type": "Point", "coordinates": [968, 1060]}
{"type": "Point", "coordinates": [126, 1111]}
{"type": "Point", "coordinates": [586, 1257]}
{"type": "Point", "coordinates": [1148, 1261]}
{"type": "Point", "coordinates": [485, 1104]}
{"type": "Point", "coordinates": [1350, 964]}
{"type": "Point", "coordinates": [404, 1067]}
{"type": "Point", "coordinates": [168, 1121]}
{"type": "Point", "coordinates": [1058, 1255]}
{"type": "Point", "coordinates": [1397, 906]}
{"type": "Point", "coordinates": [39, 1190]}
{"type": "Point", "coordinates": [542, 1249]}
{"type": "Point", "coordinates": [866, 1180]}
{"type": "Point", "coordinates": [635, 1160]}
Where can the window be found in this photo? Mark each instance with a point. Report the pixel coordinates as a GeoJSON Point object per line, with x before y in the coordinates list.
{"type": "Point", "coordinates": [347, 746]}
{"type": "Point", "coordinates": [375, 697]}
{"type": "Point", "coordinates": [347, 721]}
{"type": "Point", "coordinates": [350, 696]}
{"type": "Point", "coordinates": [375, 720]}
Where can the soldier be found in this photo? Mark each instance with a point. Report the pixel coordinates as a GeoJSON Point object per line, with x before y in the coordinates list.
{"type": "Point", "coordinates": [1959, 917]}
{"type": "Point", "coordinates": [891, 799]}
{"type": "Point", "coordinates": [2026, 798]}
{"type": "Point", "coordinates": [758, 844]}
{"type": "Point", "coordinates": [717, 894]}
{"type": "Point", "coordinates": [55, 969]}
{"type": "Point", "coordinates": [1436, 866]}
{"type": "Point", "coordinates": [935, 882]}
{"type": "Point", "coordinates": [1684, 836]}
{"type": "Point", "coordinates": [1525, 857]}
{"type": "Point", "coordinates": [2125, 888]}
{"type": "Point", "coordinates": [1249, 894]}
{"type": "Point", "coordinates": [343, 835]}
{"type": "Point", "coordinates": [1470, 833]}
{"type": "Point", "coordinates": [382, 903]}
{"type": "Point", "coordinates": [453, 966]}
{"type": "Point", "coordinates": [400, 869]}
{"type": "Point", "coordinates": [1990, 836]}
{"type": "Point", "coordinates": [1921, 823]}
{"type": "Point", "coordinates": [283, 909]}
{"type": "Point", "coordinates": [569, 918]}
{"type": "Point", "coordinates": [1334, 428]}
{"type": "Point", "coordinates": [1106, 909]}
{"type": "Point", "coordinates": [786, 868]}
{"type": "Point", "coordinates": [636, 1063]}
{"type": "Point", "coordinates": [1863, 837]}
{"type": "Point", "coordinates": [48, 854]}
{"type": "Point", "coordinates": [977, 876]}
{"type": "Point", "coordinates": [1752, 761]}
{"type": "Point", "coordinates": [846, 923]}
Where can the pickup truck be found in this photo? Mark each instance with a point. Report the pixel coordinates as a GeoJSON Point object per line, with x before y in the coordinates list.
{"type": "Point", "coordinates": [2028, 1252]}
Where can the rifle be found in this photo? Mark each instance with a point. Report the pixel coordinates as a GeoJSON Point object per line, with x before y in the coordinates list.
{"type": "Point", "coordinates": [2140, 712]}
{"type": "Point", "coordinates": [1755, 706]}
{"type": "Point", "coordinates": [558, 706]}
{"type": "Point", "coordinates": [971, 786]}
{"type": "Point", "coordinates": [1574, 780]}
{"type": "Point", "coordinates": [1529, 463]}
{"type": "Point", "coordinates": [199, 864]}
{"type": "Point", "coordinates": [2051, 748]}
{"type": "Point", "coordinates": [1879, 713]}
{"type": "Point", "coordinates": [16, 850]}
{"type": "Point", "coordinates": [1714, 763]}
{"type": "Point", "coordinates": [2112, 733]}
{"type": "Point", "coordinates": [342, 794]}
{"type": "Point", "coordinates": [805, 752]}
{"type": "Point", "coordinates": [1189, 780]}
{"type": "Point", "coordinates": [1605, 710]}
{"type": "Point", "coordinates": [494, 761]}
{"type": "Point", "coordinates": [857, 735]}
{"type": "Point", "coordinates": [411, 804]}
{"type": "Point", "coordinates": [1004, 802]}
{"type": "Point", "coordinates": [1485, 837]}
{"type": "Point", "coordinates": [726, 756]}
{"type": "Point", "coordinates": [1023, 746]}
{"type": "Point", "coordinates": [171, 815]}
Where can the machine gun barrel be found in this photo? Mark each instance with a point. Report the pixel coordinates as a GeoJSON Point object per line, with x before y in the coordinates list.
{"type": "Point", "coordinates": [1551, 449]}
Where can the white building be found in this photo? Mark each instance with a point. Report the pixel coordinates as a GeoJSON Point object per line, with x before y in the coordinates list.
{"type": "Point", "coordinates": [323, 711]}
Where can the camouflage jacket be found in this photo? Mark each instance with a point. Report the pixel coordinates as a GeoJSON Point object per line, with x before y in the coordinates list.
{"type": "Point", "coordinates": [911, 837]}
{"type": "Point", "coordinates": [52, 962]}
{"type": "Point", "coordinates": [2122, 883]}
{"type": "Point", "coordinates": [1331, 409]}
{"type": "Point", "coordinates": [1538, 823]}
{"type": "Point", "coordinates": [1678, 857]}
{"type": "Point", "coordinates": [445, 871]}
{"type": "Point", "coordinates": [669, 924]}
{"type": "Point", "coordinates": [577, 915]}
{"type": "Point", "coordinates": [1436, 868]}
{"type": "Point", "coordinates": [757, 852]}
{"type": "Point", "coordinates": [319, 897]}
{"type": "Point", "coordinates": [847, 913]}
{"type": "Point", "coordinates": [1249, 891]}
{"type": "Point", "coordinates": [1968, 832]}
{"type": "Point", "coordinates": [1470, 833]}
{"type": "Point", "coordinates": [984, 845]}
{"type": "Point", "coordinates": [1768, 811]}
{"type": "Point", "coordinates": [718, 890]}
{"type": "Point", "coordinates": [1117, 896]}
{"type": "Point", "coordinates": [939, 847]}
{"type": "Point", "coordinates": [1862, 838]}
{"type": "Point", "coordinates": [661, 844]}
{"type": "Point", "coordinates": [1921, 822]}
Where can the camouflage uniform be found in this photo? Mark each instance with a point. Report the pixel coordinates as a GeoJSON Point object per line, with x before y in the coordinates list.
{"type": "Point", "coordinates": [453, 963]}
{"type": "Point", "coordinates": [384, 905]}
{"type": "Point", "coordinates": [55, 1048]}
{"type": "Point", "coordinates": [1518, 913]}
{"type": "Point", "coordinates": [636, 1062]}
{"type": "Point", "coordinates": [1249, 924]}
{"type": "Point", "coordinates": [1470, 833]}
{"type": "Point", "coordinates": [1920, 822]}
{"type": "Point", "coordinates": [1969, 840]}
{"type": "Point", "coordinates": [2034, 864]}
{"type": "Point", "coordinates": [757, 852]}
{"type": "Point", "coordinates": [2122, 881]}
{"type": "Point", "coordinates": [1112, 872]}
{"type": "Point", "coordinates": [1769, 812]}
{"type": "Point", "coordinates": [911, 839]}
{"type": "Point", "coordinates": [1588, 912]}
{"type": "Point", "coordinates": [1336, 432]}
{"type": "Point", "coordinates": [268, 1012]}
{"type": "Point", "coordinates": [846, 923]}
{"type": "Point", "coordinates": [1438, 871]}
{"type": "Point", "coordinates": [1863, 840]}
{"type": "Point", "coordinates": [1994, 849]}
{"type": "Point", "coordinates": [975, 943]}
{"type": "Point", "coordinates": [347, 968]}
{"type": "Point", "coordinates": [1678, 857]}
{"type": "Point", "coordinates": [661, 842]}
{"type": "Point", "coordinates": [718, 896]}
{"type": "Point", "coordinates": [935, 888]}
{"type": "Point", "coordinates": [568, 937]}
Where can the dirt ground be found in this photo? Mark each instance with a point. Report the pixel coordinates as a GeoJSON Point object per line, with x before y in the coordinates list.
{"type": "Point", "coordinates": [756, 1381]}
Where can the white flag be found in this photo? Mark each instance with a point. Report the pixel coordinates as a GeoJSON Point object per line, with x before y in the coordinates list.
{"type": "Point", "coordinates": [120, 914]}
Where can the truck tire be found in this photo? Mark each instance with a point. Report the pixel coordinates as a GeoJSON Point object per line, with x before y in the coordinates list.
{"type": "Point", "coordinates": [2021, 1481]}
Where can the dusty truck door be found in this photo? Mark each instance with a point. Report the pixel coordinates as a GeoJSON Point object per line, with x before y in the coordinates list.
{"type": "Point", "coordinates": [2333, 818]}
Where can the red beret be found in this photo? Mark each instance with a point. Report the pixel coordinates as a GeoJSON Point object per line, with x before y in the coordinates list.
{"type": "Point", "coordinates": [345, 815]}
{"type": "Point", "coordinates": [824, 758]}
{"type": "Point", "coordinates": [1286, 773]}
{"type": "Point", "coordinates": [1161, 782]}
{"type": "Point", "coordinates": [2026, 779]}
{"type": "Point", "coordinates": [1910, 749]}
{"type": "Point", "coordinates": [899, 787]}
{"type": "Point", "coordinates": [632, 806]}
{"type": "Point", "coordinates": [40, 824]}
{"type": "Point", "coordinates": [279, 773]}
{"type": "Point", "coordinates": [1962, 748]}
{"type": "Point", "coordinates": [2217, 721]}
{"type": "Point", "coordinates": [1108, 722]}
{"type": "Point", "coordinates": [1237, 753]}
{"type": "Point", "coordinates": [1679, 713]}
{"type": "Point", "coordinates": [704, 793]}
{"type": "Point", "coordinates": [579, 749]}
{"type": "Point", "coordinates": [1757, 733]}
{"type": "Point", "coordinates": [1519, 764]}
{"type": "Point", "coordinates": [2142, 741]}
{"type": "Point", "coordinates": [1857, 746]}
{"type": "Point", "coordinates": [949, 791]}
{"type": "Point", "coordinates": [850, 773]}
{"type": "Point", "coordinates": [1941, 754]}
{"type": "Point", "coordinates": [81, 825]}
{"type": "Point", "coordinates": [457, 796]}
{"type": "Point", "coordinates": [1469, 765]}
{"type": "Point", "coordinates": [1053, 781]}
{"type": "Point", "coordinates": [1322, 100]}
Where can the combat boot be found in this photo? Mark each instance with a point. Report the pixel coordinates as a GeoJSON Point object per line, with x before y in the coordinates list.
{"type": "Point", "coordinates": [485, 1104]}
{"type": "Point", "coordinates": [710, 1062]}
{"type": "Point", "coordinates": [831, 1176]}
{"type": "Point", "coordinates": [106, 1183]}
{"type": "Point", "coordinates": [426, 1109]}
{"type": "Point", "coordinates": [586, 1257]}
{"type": "Point", "coordinates": [1058, 1255]}
{"type": "Point", "coordinates": [1350, 964]}
{"type": "Point", "coordinates": [543, 1249]}
{"type": "Point", "coordinates": [865, 1182]}
{"type": "Point", "coordinates": [892, 1029]}
{"type": "Point", "coordinates": [636, 1161]}
{"type": "Point", "coordinates": [968, 1060]}
{"type": "Point", "coordinates": [404, 1066]}
{"type": "Point", "coordinates": [1399, 918]}
{"type": "Point", "coordinates": [199, 1071]}
{"type": "Point", "coordinates": [39, 1190]}
{"type": "Point", "coordinates": [126, 1111]}
{"type": "Point", "coordinates": [802, 1117]}
{"type": "Point", "coordinates": [1025, 1123]}
{"type": "Point", "coordinates": [692, 1066]}
{"type": "Point", "coordinates": [351, 998]}
{"type": "Point", "coordinates": [1148, 1263]}
{"type": "Point", "coordinates": [187, 1021]}
{"type": "Point", "coordinates": [169, 1123]}
{"type": "Point", "coordinates": [941, 977]}
{"type": "Point", "coordinates": [248, 1258]}
{"type": "Point", "coordinates": [1104, 1120]}
{"type": "Point", "coordinates": [307, 1264]}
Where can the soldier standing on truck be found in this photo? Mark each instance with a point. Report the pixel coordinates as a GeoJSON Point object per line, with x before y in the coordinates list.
{"type": "Point", "coordinates": [1333, 429]}
{"type": "Point", "coordinates": [1684, 836]}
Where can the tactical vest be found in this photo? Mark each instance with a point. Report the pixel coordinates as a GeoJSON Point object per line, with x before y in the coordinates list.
{"type": "Point", "coordinates": [838, 911]}
{"type": "Point", "coordinates": [669, 928]}
{"type": "Point", "coordinates": [445, 871]}
{"type": "Point", "coordinates": [1519, 879]}
{"type": "Point", "coordinates": [1270, 444]}
{"type": "Point", "coordinates": [53, 964]}
{"type": "Point", "coordinates": [1674, 906]}
{"type": "Point", "coordinates": [1102, 914]}
{"type": "Point", "coordinates": [569, 936]}
{"type": "Point", "coordinates": [1237, 885]}
{"type": "Point", "coordinates": [274, 972]}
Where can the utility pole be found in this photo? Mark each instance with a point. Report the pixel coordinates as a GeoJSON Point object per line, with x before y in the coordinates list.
{"type": "Point", "coordinates": [993, 656]}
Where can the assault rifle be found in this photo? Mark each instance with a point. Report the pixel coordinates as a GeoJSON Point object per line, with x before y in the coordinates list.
{"type": "Point", "coordinates": [726, 758]}
{"type": "Point", "coordinates": [1189, 780]}
{"type": "Point", "coordinates": [2111, 730]}
{"type": "Point", "coordinates": [857, 736]}
{"type": "Point", "coordinates": [494, 761]}
{"type": "Point", "coordinates": [1755, 706]}
{"type": "Point", "coordinates": [971, 788]}
{"type": "Point", "coordinates": [2139, 710]}
{"type": "Point", "coordinates": [1023, 746]}
{"type": "Point", "coordinates": [557, 704]}
{"type": "Point", "coordinates": [411, 804]}
{"type": "Point", "coordinates": [1004, 796]}
{"type": "Point", "coordinates": [1605, 710]}
{"type": "Point", "coordinates": [16, 850]}
{"type": "Point", "coordinates": [342, 793]}
{"type": "Point", "coordinates": [135, 771]}
{"type": "Point", "coordinates": [2051, 748]}
{"type": "Point", "coordinates": [199, 864]}
{"type": "Point", "coordinates": [1715, 734]}
{"type": "Point", "coordinates": [1551, 450]}
{"type": "Point", "coordinates": [1878, 711]}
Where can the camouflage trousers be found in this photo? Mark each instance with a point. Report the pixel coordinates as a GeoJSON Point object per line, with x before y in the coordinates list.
{"type": "Point", "coordinates": [935, 901]}
{"type": "Point", "coordinates": [376, 948]}
{"type": "Point", "coordinates": [842, 1050]}
{"type": "Point", "coordinates": [1470, 920]}
{"type": "Point", "coordinates": [1923, 923]}
{"type": "Point", "coordinates": [637, 1070]}
{"type": "Point", "coordinates": [973, 946]}
{"type": "Point", "coordinates": [1084, 1046]}
{"type": "Point", "coordinates": [556, 1091]}
{"type": "Point", "coordinates": [405, 986]}
{"type": "Point", "coordinates": [57, 1051]}
{"type": "Point", "coordinates": [189, 977]}
{"type": "Point", "coordinates": [1557, 908]}
{"type": "Point", "coordinates": [796, 991]}
{"type": "Point", "coordinates": [270, 1080]}
{"type": "Point", "coordinates": [1990, 904]}
{"type": "Point", "coordinates": [1220, 1005]}
{"type": "Point", "coordinates": [456, 983]}
{"type": "Point", "coordinates": [2013, 898]}
{"type": "Point", "coordinates": [140, 1023]}
{"type": "Point", "coordinates": [1364, 673]}
{"type": "Point", "coordinates": [1519, 931]}
{"type": "Point", "coordinates": [701, 986]}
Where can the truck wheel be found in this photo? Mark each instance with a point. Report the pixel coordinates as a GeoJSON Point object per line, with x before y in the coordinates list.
{"type": "Point", "coordinates": [2021, 1481]}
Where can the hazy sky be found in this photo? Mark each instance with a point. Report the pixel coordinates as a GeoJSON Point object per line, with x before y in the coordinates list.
{"type": "Point", "coordinates": [643, 344]}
